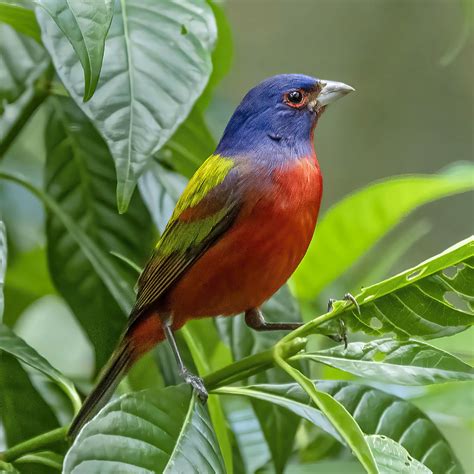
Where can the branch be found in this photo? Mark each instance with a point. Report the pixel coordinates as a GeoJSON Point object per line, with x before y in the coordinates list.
{"type": "Point", "coordinates": [34, 444]}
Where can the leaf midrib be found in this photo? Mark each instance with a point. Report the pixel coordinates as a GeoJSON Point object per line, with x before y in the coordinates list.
{"type": "Point", "coordinates": [186, 422]}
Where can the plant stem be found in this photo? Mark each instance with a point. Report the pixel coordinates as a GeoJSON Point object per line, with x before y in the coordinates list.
{"type": "Point", "coordinates": [40, 93]}
{"type": "Point", "coordinates": [251, 365]}
{"type": "Point", "coordinates": [34, 444]}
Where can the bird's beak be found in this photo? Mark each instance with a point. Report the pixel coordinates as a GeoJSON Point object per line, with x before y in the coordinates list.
{"type": "Point", "coordinates": [331, 91]}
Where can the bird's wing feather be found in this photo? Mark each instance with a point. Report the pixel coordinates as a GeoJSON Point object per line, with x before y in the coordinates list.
{"type": "Point", "coordinates": [206, 209]}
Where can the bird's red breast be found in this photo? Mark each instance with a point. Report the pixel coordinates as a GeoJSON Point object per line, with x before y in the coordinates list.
{"type": "Point", "coordinates": [257, 255]}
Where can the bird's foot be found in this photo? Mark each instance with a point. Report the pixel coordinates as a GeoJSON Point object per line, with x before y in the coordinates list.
{"type": "Point", "coordinates": [342, 334]}
{"type": "Point", "coordinates": [197, 383]}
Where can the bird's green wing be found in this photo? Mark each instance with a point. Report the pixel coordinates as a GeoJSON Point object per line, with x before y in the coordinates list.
{"type": "Point", "coordinates": [206, 209]}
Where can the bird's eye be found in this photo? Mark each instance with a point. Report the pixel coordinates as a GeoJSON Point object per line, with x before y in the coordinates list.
{"type": "Point", "coordinates": [295, 98]}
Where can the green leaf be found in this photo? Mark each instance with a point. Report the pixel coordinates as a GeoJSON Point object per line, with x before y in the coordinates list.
{"type": "Point", "coordinates": [337, 414]}
{"type": "Point", "coordinates": [381, 413]}
{"type": "Point", "coordinates": [114, 282]}
{"type": "Point", "coordinates": [80, 178]}
{"type": "Point", "coordinates": [278, 426]}
{"type": "Point", "coordinates": [369, 214]}
{"type": "Point", "coordinates": [157, 90]}
{"type": "Point", "coordinates": [12, 344]}
{"type": "Point", "coordinates": [326, 467]}
{"type": "Point", "coordinates": [24, 413]}
{"type": "Point", "coordinates": [44, 458]}
{"type": "Point", "coordinates": [392, 458]}
{"type": "Point", "coordinates": [375, 411]}
{"type": "Point", "coordinates": [85, 24]}
{"type": "Point", "coordinates": [418, 301]}
{"type": "Point", "coordinates": [249, 439]}
{"type": "Point", "coordinates": [20, 18]}
{"type": "Point", "coordinates": [282, 396]}
{"type": "Point", "coordinates": [28, 280]}
{"type": "Point", "coordinates": [202, 340]}
{"type": "Point", "coordinates": [401, 362]}
{"type": "Point", "coordinates": [3, 265]}
{"type": "Point", "coordinates": [162, 431]}
{"type": "Point", "coordinates": [190, 145]}
{"type": "Point", "coordinates": [160, 189]}
{"type": "Point", "coordinates": [7, 468]}
{"type": "Point", "coordinates": [377, 264]}
{"type": "Point", "coordinates": [18, 78]}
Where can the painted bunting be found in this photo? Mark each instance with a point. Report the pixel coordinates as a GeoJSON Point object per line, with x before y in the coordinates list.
{"type": "Point", "coordinates": [239, 230]}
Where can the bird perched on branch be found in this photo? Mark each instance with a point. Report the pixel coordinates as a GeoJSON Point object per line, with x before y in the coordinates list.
{"type": "Point", "coordinates": [239, 230]}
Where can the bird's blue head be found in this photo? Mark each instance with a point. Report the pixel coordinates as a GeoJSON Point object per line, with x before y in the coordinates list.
{"type": "Point", "coordinates": [277, 117]}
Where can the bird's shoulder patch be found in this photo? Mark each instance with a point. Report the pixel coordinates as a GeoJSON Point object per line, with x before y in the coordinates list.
{"type": "Point", "coordinates": [210, 174]}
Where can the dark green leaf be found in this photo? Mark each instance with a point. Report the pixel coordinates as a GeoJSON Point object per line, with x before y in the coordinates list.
{"type": "Point", "coordinates": [43, 458]}
{"type": "Point", "coordinates": [431, 300]}
{"type": "Point", "coordinates": [392, 458]}
{"type": "Point", "coordinates": [18, 78]}
{"type": "Point", "coordinates": [157, 90]}
{"type": "Point", "coordinates": [7, 468]}
{"type": "Point", "coordinates": [24, 413]}
{"type": "Point", "coordinates": [3, 265]}
{"type": "Point", "coordinates": [377, 264]}
{"type": "Point", "coordinates": [381, 413]}
{"type": "Point", "coordinates": [203, 342]}
{"type": "Point", "coordinates": [278, 425]}
{"type": "Point", "coordinates": [324, 467]}
{"type": "Point", "coordinates": [338, 415]}
{"type": "Point", "coordinates": [12, 344]}
{"type": "Point", "coordinates": [250, 442]}
{"type": "Point", "coordinates": [85, 24]}
{"type": "Point", "coordinates": [190, 145]}
{"type": "Point", "coordinates": [28, 280]}
{"type": "Point", "coordinates": [282, 396]}
{"type": "Point", "coordinates": [80, 178]}
{"type": "Point", "coordinates": [400, 362]}
{"type": "Point", "coordinates": [22, 19]}
{"type": "Point", "coordinates": [160, 189]}
{"type": "Point", "coordinates": [161, 431]}
{"type": "Point", "coordinates": [369, 214]}
{"type": "Point", "coordinates": [375, 411]}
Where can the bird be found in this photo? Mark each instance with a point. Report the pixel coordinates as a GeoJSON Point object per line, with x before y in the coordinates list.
{"type": "Point", "coordinates": [238, 231]}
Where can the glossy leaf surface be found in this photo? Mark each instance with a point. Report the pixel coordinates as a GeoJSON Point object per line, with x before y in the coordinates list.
{"type": "Point", "coordinates": [85, 24]}
{"type": "Point", "coordinates": [158, 54]}
{"type": "Point", "coordinates": [401, 362]}
{"type": "Point", "coordinates": [164, 431]}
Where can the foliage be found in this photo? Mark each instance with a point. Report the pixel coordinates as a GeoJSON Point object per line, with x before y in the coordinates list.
{"type": "Point", "coordinates": [124, 88]}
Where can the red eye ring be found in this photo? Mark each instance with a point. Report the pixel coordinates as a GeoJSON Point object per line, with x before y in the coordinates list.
{"type": "Point", "coordinates": [296, 98]}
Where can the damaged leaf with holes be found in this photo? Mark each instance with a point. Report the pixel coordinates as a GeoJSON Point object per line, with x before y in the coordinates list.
{"type": "Point", "coordinates": [403, 362]}
{"type": "Point", "coordinates": [432, 300]}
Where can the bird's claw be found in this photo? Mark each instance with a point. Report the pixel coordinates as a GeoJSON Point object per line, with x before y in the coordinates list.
{"type": "Point", "coordinates": [349, 297]}
{"type": "Point", "coordinates": [197, 384]}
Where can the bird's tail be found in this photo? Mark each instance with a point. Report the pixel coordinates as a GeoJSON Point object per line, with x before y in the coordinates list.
{"type": "Point", "coordinates": [118, 365]}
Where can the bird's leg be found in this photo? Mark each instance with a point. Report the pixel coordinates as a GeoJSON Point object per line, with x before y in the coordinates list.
{"type": "Point", "coordinates": [342, 335]}
{"type": "Point", "coordinates": [193, 380]}
{"type": "Point", "coordinates": [255, 320]}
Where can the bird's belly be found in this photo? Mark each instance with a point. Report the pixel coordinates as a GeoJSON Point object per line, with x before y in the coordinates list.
{"type": "Point", "coordinates": [249, 263]}
{"type": "Point", "coordinates": [243, 269]}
